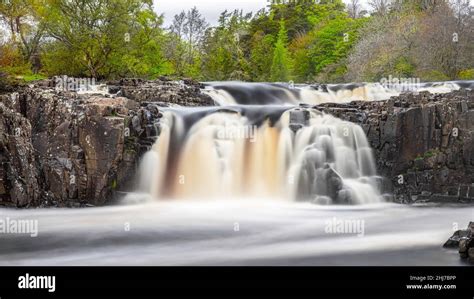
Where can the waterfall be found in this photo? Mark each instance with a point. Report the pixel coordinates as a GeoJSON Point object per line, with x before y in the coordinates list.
{"type": "Point", "coordinates": [240, 93]}
{"type": "Point", "coordinates": [278, 152]}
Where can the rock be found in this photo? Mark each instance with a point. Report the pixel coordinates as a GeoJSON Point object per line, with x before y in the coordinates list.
{"type": "Point", "coordinates": [426, 139]}
{"type": "Point", "coordinates": [464, 241]}
{"type": "Point", "coordinates": [471, 255]}
{"type": "Point", "coordinates": [84, 148]}
{"type": "Point", "coordinates": [453, 242]}
{"type": "Point", "coordinates": [74, 150]}
{"type": "Point", "coordinates": [298, 119]}
{"type": "Point", "coordinates": [184, 93]}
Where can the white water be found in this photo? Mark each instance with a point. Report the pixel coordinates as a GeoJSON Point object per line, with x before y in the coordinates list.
{"type": "Point", "coordinates": [261, 226]}
{"type": "Point", "coordinates": [224, 155]}
{"type": "Point", "coordinates": [244, 232]}
{"type": "Point", "coordinates": [234, 93]}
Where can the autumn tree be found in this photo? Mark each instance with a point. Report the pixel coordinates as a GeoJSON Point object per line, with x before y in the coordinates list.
{"type": "Point", "coordinates": [25, 28]}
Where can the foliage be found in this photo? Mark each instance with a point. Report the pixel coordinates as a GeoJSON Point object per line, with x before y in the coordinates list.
{"type": "Point", "coordinates": [303, 41]}
{"type": "Point", "coordinates": [466, 74]}
{"type": "Point", "coordinates": [280, 69]}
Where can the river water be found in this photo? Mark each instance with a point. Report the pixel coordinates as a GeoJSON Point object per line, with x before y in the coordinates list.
{"type": "Point", "coordinates": [248, 231]}
{"type": "Point", "coordinates": [280, 184]}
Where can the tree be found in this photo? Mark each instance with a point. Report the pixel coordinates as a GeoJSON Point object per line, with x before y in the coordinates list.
{"type": "Point", "coordinates": [446, 45]}
{"type": "Point", "coordinates": [184, 43]}
{"type": "Point", "coordinates": [354, 8]}
{"type": "Point", "coordinates": [261, 56]}
{"type": "Point", "coordinates": [194, 30]}
{"type": "Point", "coordinates": [281, 65]}
{"type": "Point", "coordinates": [105, 38]}
{"type": "Point", "coordinates": [380, 7]}
{"type": "Point", "coordinates": [225, 55]}
{"type": "Point", "coordinates": [25, 28]}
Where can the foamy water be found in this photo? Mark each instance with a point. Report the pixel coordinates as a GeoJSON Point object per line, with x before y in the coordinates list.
{"type": "Point", "coordinates": [236, 232]}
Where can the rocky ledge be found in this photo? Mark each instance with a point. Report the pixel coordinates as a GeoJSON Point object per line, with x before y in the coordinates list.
{"type": "Point", "coordinates": [64, 148]}
{"type": "Point", "coordinates": [423, 143]}
{"type": "Point", "coordinates": [463, 240]}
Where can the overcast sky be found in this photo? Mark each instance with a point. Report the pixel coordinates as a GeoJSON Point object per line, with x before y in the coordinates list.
{"type": "Point", "coordinates": [211, 9]}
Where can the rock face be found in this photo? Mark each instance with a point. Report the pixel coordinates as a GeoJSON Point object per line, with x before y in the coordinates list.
{"type": "Point", "coordinates": [423, 143]}
{"type": "Point", "coordinates": [464, 241]}
{"type": "Point", "coordinates": [60, 148]}
{"type": "Point", "coordinates": [64, 148]}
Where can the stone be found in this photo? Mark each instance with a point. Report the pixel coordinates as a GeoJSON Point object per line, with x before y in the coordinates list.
{"type": "Point", "coordinates": [298, 119]}
{"type": "Point", "coordinates": [427, 138]}
{"type": "Point", "coordinates": [453, 242]}
{"type": "Point", "coordinates": [77, 153]}
{"type": "Point", "coordinates": [470, 254]}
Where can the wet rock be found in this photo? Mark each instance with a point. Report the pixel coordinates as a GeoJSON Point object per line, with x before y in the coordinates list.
{"type": "Point", "coordinates": [463, 240]}
{"type": "Point", "coordinates": [69, 149]}
{"type": "Point", "coordinates": [183, 93]}
{"type": "Point", "coordinates": [453, 242]}
{"type": "Point", "coordinates": [298, 119]}
{"type": "Point", "coordinates": [422, 143]}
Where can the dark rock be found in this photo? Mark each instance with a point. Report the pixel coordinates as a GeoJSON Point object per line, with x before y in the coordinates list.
{"type": "Point", "coordinates": [453, 242]}
{"type": "Point", "coordinates": [298, 119]}
{"type": "Point", "coordinates": [427, 139]}
{"type": "Point", "coordinates": [464, 241]}
{"type": "Point", "coordinates": [75, 150]}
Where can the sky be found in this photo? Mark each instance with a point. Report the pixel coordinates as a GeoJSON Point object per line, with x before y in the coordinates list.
{"type": "Point", "coordinates": [211, 9]}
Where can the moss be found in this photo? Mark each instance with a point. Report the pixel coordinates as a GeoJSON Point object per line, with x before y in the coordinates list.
{"type": "Point", "coordinates": [428, 154]}
{"type": "Point", "coordinates": [114, 184]}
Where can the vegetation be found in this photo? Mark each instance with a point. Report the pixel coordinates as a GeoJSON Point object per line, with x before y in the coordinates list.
{"type": "Point", "coordinates": [302, 41]}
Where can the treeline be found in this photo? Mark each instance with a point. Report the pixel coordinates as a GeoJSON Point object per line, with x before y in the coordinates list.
{"type": "Point", "coordinates": [302, 41]}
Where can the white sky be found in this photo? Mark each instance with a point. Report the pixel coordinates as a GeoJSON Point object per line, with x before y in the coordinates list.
{"type": "Point", "coordinates": [211, 9]}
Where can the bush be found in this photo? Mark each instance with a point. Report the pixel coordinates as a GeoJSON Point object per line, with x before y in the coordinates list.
{"type": "Point", "coordinates": [466, 74]}
{"type": "Point", "coordinates": [433, 76]}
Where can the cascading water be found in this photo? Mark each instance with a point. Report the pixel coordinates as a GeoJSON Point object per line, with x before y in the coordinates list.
{"type": "Point", "coordinates": [240, 93]}
{"type": "Point", "coordinates": [266, 151]}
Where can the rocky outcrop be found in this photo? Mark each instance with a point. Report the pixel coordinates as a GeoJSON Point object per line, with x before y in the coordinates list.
{"type": "Point", "coordinates": [65, 148]}
{"type": "Point", "coordinates": [61, 148]}
{"type": "Point", "coordinates": [423, 143]}
{"type": "Point", "coordinates": [463, 240]}
{"type": "Point", "coordinates": [19, 184]}
{"type": "Point", "coordinates": [183, 93]}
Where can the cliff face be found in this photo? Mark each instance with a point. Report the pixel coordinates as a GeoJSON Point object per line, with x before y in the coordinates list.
{"type": "Point", "coordinates": [423, 143]}
{"type": "Point", "coordinates": [61, 148]}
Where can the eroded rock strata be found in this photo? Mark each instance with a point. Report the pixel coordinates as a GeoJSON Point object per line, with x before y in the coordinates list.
{"type": "Point", "coordinates": [61, 148]}
{"type": "Point", "coordinates": [423, 143]}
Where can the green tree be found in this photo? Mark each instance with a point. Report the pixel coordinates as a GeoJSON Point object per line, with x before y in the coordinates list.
{"type": "Point", "coordinates": [261, 56]}
{"type": "Point", "coordinates": [105, 38]}
{"type": "Point", "coordinates": [225, 47]}
{"type": "Point", "coordinates": [281, 65]}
